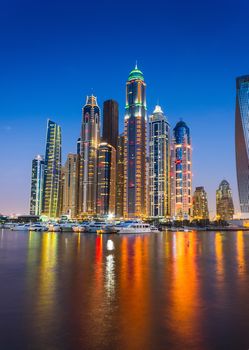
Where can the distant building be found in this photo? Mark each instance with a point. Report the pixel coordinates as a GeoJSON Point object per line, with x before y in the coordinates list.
{"type": "Point", "coordinates": [200, 204]}
{"type": "Point", "coordinates": [106, 180]}
{"type": "Point", "coordinates": [70, 187]}
{"type": "Point", "coordinates": [52, 171]}
{"type": "Point", "coordinates": [135, 191]}
{"type": "Point", "coordinates": [37, 185]}
{"type": "Point", "coordinates": [110, 123]}
{"type": "Point", "coordinates": [242, 140]}
{"type": "Point", "coordinates": [224, 202]}
{"type": "Point", "coordinates": [120, 177]}
{"type": "Point", "coordinates": [181, 173]}
{"type": "Point", "coordinates": [90, 138]}
{"type": "Point", "coordinates": [159, 164]}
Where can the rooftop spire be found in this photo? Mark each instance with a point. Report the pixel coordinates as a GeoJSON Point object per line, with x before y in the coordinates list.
{"type": "Point", "coordinates": [136, 65]}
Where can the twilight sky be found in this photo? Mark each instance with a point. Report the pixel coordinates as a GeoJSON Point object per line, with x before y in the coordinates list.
{"type": "Point", "coordinates": [53, 53]}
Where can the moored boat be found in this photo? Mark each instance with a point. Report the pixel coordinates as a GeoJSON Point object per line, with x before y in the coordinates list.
{"type": "Point", "coordinates": [38, 227]}
{"type": "Point", "coordinates": [20, 227]}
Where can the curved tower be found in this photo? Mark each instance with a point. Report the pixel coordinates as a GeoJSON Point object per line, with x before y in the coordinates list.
{"type": "Point", "coordinates": [242, 140]}
{"type": "Point", "coordinates": [135, 146]}
{"type": "Point", "coordinates": [181, 176]}
{"type": "Point", "coordinates": [90, 138]}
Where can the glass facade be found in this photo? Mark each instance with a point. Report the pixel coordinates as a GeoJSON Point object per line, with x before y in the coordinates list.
{"type": "Point", "coordinates": [242, 140]}
{"type": "Point", "coordinates": [181, 173]}
{"type": "Point", "coordinates": [90, 137]}
{"type": "Point", "coordinates": [135, 146]}
{"type": "Point", "coordinates": [52, 171]}
{"type": "Point", "coordinates": [70, 186]}
{"type": "Point", "coordinates": [106, 190]}
{"type": "Point", "coordinates": [37, 185]}
{"type": "Point", "coordinates": [159, 164]}
{"type": "Point", "coordinates": [120, 177]}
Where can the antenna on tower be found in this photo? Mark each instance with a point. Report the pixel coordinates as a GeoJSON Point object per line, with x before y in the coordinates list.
{"type": "Point", "coordinates": [136, 65]}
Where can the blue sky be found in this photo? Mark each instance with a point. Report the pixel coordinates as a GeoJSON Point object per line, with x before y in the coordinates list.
{"type": "Point", "coordinates": [54, 54]}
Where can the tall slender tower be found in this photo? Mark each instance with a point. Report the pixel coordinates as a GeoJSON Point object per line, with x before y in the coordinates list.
{"type": "Point", "coordinates": [52, 171]}
{"type": "Point", "coordinates": [106, 190]}
{"type": "Point", "coordinates": [242, 140]}
{"type": "Point", "coordinates": [120, 178]}
{"type": "Point", "coordinates": [70, 188]}
{"type": "Point", "coordinates": [135, 146]}
{"type": "Point", "coordinates": [110, 123]}
{"type": "Point", "coordinates": [90, 137]}
{"type": "Point", "coordinates": [181, 176]}
{"type": "Point", "coordinates": [37, 185]}
{"type": "Point", "coordinates": [159, 164]}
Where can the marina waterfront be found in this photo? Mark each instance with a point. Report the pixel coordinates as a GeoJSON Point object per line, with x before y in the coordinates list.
{"type": "Point", "coordinates": [167, 290]}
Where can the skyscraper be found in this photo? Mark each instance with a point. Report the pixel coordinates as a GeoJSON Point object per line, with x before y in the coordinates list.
{"type": "Point", "coordinates": [90, 137]}
{"type": "Point", "coordinates": [70, 188]}
{"type": "Point", "coordinates": [52, 170]}
{"type": "Point", "coordinates": [120, 177]}
{"type": "Point", "coordinates": [242, 140]}
{"type": "Point", "coordinates": [135, 146]}
{"type": "Point", "coordinates": [37, 185]}
{"type": "Point", "coordinates": [110, 123]}
{"type": "Point", "coordinates": [78, 145]}
{"type": "Point", "coordinates": [181, 172]}
{"type": "Point", "coordinates": [106, 190]}
{"type": "Point", "coordinates": [159, 164]}
{"type": "Point", "coordinates": [224, 202]}
{"type": "Point", "coordinates": [200, 204]}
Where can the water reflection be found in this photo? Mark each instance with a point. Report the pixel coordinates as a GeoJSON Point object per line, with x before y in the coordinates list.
{"type": "Point", "coordinates": [167, 290]}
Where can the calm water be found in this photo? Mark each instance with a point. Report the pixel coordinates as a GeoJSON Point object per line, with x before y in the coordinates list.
{"type": "Point", "coordinates": [159, 291]}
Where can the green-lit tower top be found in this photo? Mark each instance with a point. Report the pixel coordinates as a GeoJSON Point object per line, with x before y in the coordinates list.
{"type": "Point", "coordinates": [136, 74]}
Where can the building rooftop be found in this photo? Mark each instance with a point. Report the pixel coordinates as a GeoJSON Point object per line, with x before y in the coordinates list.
{"type": "Point", "coordinates": [136, 74]}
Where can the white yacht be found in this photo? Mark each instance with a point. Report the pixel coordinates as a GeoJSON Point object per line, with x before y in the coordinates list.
{"type": "Point", "coordinates": [20, 227]}
{"type": "Point", "coordinates": [95, 226]}
{"type": "Point", "coordinates": [38, 227]}
{"type": "Point", "coordinates": [134, 227]}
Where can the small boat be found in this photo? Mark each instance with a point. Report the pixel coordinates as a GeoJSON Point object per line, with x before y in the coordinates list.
{"type": "Point", "coordinates": [54, 227]}
{"type": "Point", "coordinates": [108, 228]}
{"type": "Point", "coordinates": [9, 225]}
{"type": "Point", "coordinates": [67, 226]}
{"type": "Point", "coordinates": [154, 228]}
{"type": "Point", "coordinates": [80, 228]}
{"type": "Point", "coordinates": [38, 227]}
{"type": "Point", "coordinates": [20, 227]}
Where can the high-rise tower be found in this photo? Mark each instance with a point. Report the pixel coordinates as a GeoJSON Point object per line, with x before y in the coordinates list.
{"type": "Point", "coordinates": [110, 123]}
{"type": "Point", "coordinates": [242, 140]}
{"type": "Point", "coordinates": [37, 185]}
{"type": "Point", "coordinates": [200, 204]}
{"type": "Point", "coordinates": [181, 172]}
{"type": "Point", "coordinates": [159, 164]}
{"type": "Point", "coordinates": [224, 202]}
{"type": "Point", "coordinates": [135, 146]}
{"type": "Point", "coordinates": [90, 137]}
{"type": "Point", "coordinates": [70, 188]}
{"type": "Point", "coordinates": [52, 170]}
{"type": "Point", "coordinates": [120, 177]}
{"type": "Point", "coordinates": [106, 190]}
